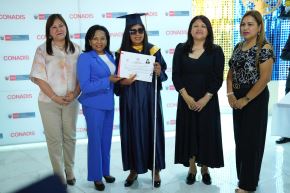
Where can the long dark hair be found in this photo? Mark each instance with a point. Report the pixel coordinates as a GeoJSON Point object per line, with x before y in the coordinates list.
{"type": "Point", "coordinates": [208, 45]}
{"type": "Point", "coordinates": [90, 35]}
{"type": "Point", "coordinates": [126, 41]}
{"type": "Point", "coordinates": [261, 37]}
{"type": "Point", "coordinates": [68, 44]}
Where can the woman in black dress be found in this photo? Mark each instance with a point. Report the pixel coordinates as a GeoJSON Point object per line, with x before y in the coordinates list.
{"type": "Point", "coordinates": [248, 95]}
{"type": "Point", "coordinates": [198, 67]}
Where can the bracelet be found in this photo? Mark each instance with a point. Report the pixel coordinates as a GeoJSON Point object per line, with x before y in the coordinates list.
{"type": "Point", "coordinates": [230, 93]}
{"type": "Point", "coordinates": [51, 98]}
{"type": "Point", "coordinates": [181, 91]}
{"type": "Point", "coordinates": [209, 95]}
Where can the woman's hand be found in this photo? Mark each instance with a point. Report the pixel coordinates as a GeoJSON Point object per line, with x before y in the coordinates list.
{"type": "Point", "coordinates": [201, 103]}
{"type": "Point", "coordinates": [189, 100]}
{"type": "Point", "coordinates": [114, 78]}
{"type": "Point", "coordinates": [69, 97]}
{"type": "Point", "coordinates": [60, 100]}
{"type": "Point", "coordinates": [157, 68]}
{"type": "Point", "coordinates": [232, 100]}
{"type": "Point", "coordinates": [241, 103]}
{"type": "Point", "coordinates": [128, 81]}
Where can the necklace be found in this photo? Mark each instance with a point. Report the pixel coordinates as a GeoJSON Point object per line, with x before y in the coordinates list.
{"type": "Point", "coordinates": [60, 47]}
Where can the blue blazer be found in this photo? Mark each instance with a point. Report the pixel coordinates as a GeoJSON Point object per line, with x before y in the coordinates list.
{"type": "Point", "coordinates": [93, 75]}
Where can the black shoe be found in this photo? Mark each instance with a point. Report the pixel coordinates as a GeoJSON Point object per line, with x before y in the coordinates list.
{"type": "Point", "coordinates": [71, 182]}
{"type": "Point", "coordinates": [283, 140]}
{"type": "Point", "coordinates": [157, 184]}
{"type": "Point", "coordinates": [190, 179]}
{"type": "Point", "coordinates": [99, 186]}
{"type": "Point", "coordinates": [206, 179]}
{"type": "Point", "coordinates": [129, 182]}
{"type": "Point", "coordinates": [110, 179]}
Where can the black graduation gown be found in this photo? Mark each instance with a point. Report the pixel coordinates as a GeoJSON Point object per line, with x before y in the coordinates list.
{"type": "Point", "coordinates": [198, 133]}
{"type": "Point", "coordinates": [136, 104]}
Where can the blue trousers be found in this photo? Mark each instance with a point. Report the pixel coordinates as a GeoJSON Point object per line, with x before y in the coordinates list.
{"type": "Point", "coordinates": [99, 129]}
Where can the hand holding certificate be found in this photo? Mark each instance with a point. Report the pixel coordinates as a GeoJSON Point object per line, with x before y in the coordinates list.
{"type": "Point", "coordinates": [140, 64]}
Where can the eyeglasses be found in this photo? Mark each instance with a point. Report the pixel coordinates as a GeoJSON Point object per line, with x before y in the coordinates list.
{"type": "Point", "coordinates": [134, 31]}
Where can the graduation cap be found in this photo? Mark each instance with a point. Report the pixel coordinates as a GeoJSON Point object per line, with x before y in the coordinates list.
{"type": "Point", "coordinates": [132, 19]}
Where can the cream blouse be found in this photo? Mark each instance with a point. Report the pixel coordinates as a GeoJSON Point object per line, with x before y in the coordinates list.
{"type": "Point", "coordinates": [58, 70]}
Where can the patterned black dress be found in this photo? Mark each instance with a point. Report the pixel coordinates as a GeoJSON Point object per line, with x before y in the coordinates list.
{"type": "Point", "coordinates": [250, 123]}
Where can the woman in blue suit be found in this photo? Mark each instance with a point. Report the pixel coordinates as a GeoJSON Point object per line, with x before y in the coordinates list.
{"type": "Point", "coordinates": [95, 70]}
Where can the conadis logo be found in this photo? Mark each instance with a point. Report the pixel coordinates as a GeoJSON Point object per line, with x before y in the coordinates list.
{"type": "Point", "coordinates": [81, 16]}
{"type": "Point", "coordinates": [17, 77]}
{"type": "Point", "coordinates": [21, 115]}
{"type": "Point", "coordinates": [78, 36]}
{"type": "Point", "coordinates": [41, 16]}
{"type": "Point", "coordinates": [12, 17]}
{"type": "Point", "coordinates": [19, 96]}
{"type": "Point", "coordinates": [113, 14]}
{"type": "Point", "coordinates": [177, 13]}
{"type": "Point", "coordinates": [10, 58]}
{"type": "Point", "coordinates": [14, 37]}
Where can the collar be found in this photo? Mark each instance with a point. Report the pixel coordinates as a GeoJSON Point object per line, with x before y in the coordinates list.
{"type": "Point", "coordinates": [138, 48]}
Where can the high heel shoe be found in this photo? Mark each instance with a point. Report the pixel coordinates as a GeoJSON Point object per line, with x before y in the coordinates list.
{"type": "Point", "coordinates": [206, 179]}
{"type": "Point", "coordinates": [99, 185]}
{"type": "Point", "coordinates": [109, 179]}
{"type": "Point", "coordinates": [190, 179]}
{"type": "Point", "coordinates": [130, 179]}
{"type": "Point", "coordinates": [157, 180]}
{"type": "Point", "coordinates": [70, 182]}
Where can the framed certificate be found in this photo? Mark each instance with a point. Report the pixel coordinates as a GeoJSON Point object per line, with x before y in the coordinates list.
{"type": "Point", "coordinates": [133, 63]}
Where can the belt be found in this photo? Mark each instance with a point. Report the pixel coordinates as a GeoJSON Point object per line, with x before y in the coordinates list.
{"type": "Point", "coordinates": [239, 86]}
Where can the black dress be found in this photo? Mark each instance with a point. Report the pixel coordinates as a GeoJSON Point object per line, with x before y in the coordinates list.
{"type": "Point", "coordinates": [250, 123]}
{"type": "Point", "coordinates": [198, 133]}
{"type": "Point", "coordinates": [136, 105]}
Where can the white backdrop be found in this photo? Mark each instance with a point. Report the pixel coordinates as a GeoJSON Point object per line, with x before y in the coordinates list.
{"type": "Point", "coordinates": [23, 28]}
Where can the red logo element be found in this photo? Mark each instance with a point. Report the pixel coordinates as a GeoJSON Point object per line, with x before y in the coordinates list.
{"type": "Point", "coordinates": [109, 15]}
{"type": "Point", "coordinates": [170, 87]}
{"type": "Point", "coordinates": [170, 51]}
{"type": "Point", "coordinates": [171, 122]}
{"type": "Point", "coordinates": [171, 13]}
